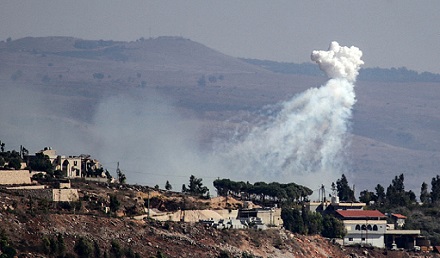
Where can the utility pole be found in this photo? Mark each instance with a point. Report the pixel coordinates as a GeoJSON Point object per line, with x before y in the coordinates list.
{"type": "Point", "coordinates": [148, 204]}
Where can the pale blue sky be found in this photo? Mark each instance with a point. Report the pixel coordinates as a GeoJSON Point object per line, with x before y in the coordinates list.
{"type": "Point", "coordinates": [390, 33]}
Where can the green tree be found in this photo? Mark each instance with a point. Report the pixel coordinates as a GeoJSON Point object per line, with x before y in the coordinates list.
{"type": "Point", "coordinates": [114, 203]}
{"type": "Point", "coordinates": [53, 245]}
{"type": "Point", "coordinates": [314, 223]}
{"type": "Point", "coordinates": [45, 245]}
{"type": "Point", "coordinates": [424, 194]}
{"type": "Point", "coordinates": [345, 193]}
{"type": "Point", "coordinates": [293, 221]}
{"type": "Point", "coordinates": [435, 189]}
{"type": "Point", "coordinates": [41, 162]}
{"type": "Point", "coordinates": [396, 195]}
{"type": "Point", "coordinates": [6, 251]}
{"type": "Point", "coordinates": [108, 176]}
{"type": "Point", "coordinates": [61, 245]}
{"type": "Point", "coordinates": [115, 249]}
{"type": "Point", "coordinates": [195, 186]}
{"type": "Point", "coordinates": [121, 176]}
{"type": "Point", "coordinates": [168, 186]}
{"type": "Point", "coordinates": [84, 248]}
{"type": "Point", "coordinates": [14, 163]}
{"type": "Point", "coordinates": [333, 227]}
{"type": "Point", "coordinates": [367, 196]}
{"type": "Point", "coordinates": [380, 194]}
{"type": "Point", "coordinates": [159, 254]}
{"type": "Point", "coordinates": [129, 253]}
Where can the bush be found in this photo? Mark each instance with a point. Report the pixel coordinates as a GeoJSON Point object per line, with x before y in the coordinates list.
{"type": "Point", "coordinates": [332, 227]}
{"type": "Point", "coordinates": [84, 248]}
{"type": "Point", "coordinates": [98, 76]}
{"type": "Point", "coordinates": [14, 163]}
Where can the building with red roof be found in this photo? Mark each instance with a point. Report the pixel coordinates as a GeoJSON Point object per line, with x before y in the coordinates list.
{"type": "Point", "coordinates": [361, 214]}
{"type": "Point", "coordinates": [365, 227]}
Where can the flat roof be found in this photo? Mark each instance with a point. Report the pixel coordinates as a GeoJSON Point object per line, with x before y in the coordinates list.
{"type": "Point", "coordinates": [349, 204]}
{"type": "Point", "coordinates": [402, 232]}
{"type": "Point", "coordinates": [361, 214]}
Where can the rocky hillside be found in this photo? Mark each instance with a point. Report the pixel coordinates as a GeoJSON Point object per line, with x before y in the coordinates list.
{"type": "Point", "coordinates": [37, 228]}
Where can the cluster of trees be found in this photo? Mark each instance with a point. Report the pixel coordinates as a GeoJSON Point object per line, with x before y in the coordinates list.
{"type": "Point", "coordinates": [86, 248]}
{"type": "Point", "coordinates": [83, 248]}
{"type": "Point", "coordinates": [10, 159]}
{"type": "Point", "coordinates": [261, 191]}
{"type": "Point", "coordinates": [41, 162]}
{"type": "Point", "coordinates": [432, 197]}
{"type": "Point", "coordinates": [6, 250]}
{"type": "Point", "coordinates": [310, 223]}
{"type": "Point", "coordinates": [92, 44]}
{"type": "Point", "coordinates": [394, 196]}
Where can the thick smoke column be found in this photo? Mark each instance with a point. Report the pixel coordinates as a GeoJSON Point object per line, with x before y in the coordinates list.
{"type": "Point", "coordinates": [305, 138]}
{"type": "Point", "coordinates": [339, 62]}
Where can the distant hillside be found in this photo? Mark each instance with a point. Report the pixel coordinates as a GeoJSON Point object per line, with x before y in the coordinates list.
{"type": "Point", "coordinates": [144, 102]}
{"type": "Point", "coordinates": [401, 74]}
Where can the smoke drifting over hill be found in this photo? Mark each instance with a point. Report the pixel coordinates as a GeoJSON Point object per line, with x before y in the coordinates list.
{"type": "Point", "coordinates": [306, 138]}
{"type": "Point", "coordinates": [151, 141]}
{"type": "Point", "coordinates": [301, 140]}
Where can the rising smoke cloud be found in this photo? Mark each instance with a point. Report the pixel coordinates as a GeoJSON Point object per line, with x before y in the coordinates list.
{"type": "Point", "coordinates": [302, 140]}
{"type": "Point", "coordinates": [305, 141]}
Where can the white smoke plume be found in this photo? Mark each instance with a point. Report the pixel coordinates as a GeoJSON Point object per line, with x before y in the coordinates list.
{"type": "Point", "coordinates": [304, 141]}
{"type": "Point", "coordinates": [339, 62]}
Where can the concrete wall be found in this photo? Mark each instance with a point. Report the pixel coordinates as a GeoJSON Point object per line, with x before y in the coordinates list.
{"type": "Point", "coordinates": [227, 214]}
{"type": "Point", "coordinates": [65, 195]}
{"type": "Point", "coordinates": [65, 185]}
{"type": "Point", "coordinates": [98, 179]}
{"type": "Point", "coordinates": [35, 193]}
{"type": "Point", "coordinates": [56, 195]}
{"type": "Point", "coordinates": [15, 177]}
{"type": "Point", "coordinates": [27, 187]}
{"type": "Point", "coordinates": [271, 217]}
{"type": "Point", "coordinates": [370, 239]}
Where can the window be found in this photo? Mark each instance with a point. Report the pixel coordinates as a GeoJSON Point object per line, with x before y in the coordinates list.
{"type": "Point", "coordinates": [364, 227]}
{"type": "Point", "coordinates": [369, 227]}
{"type": "Point", "coordinates": [375, 228]}
{"type": "Point", "coordinates": [358, 227]}
{"type": "Point", "coordinates": [75, 163]}
{"type": "Point", "coordinates": [363, 239]}
{"type": "Point", "coordinates": [350, 239]}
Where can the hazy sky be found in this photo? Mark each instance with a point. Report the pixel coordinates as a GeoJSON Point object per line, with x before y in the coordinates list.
{"type": "Point", "coordinates": [391, 33]}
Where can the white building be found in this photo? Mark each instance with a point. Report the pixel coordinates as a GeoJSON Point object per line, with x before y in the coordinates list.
{"type": "Point", "coordinates": [365, 227]}
{"type": "Point", "coordinates": [71, 166]}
